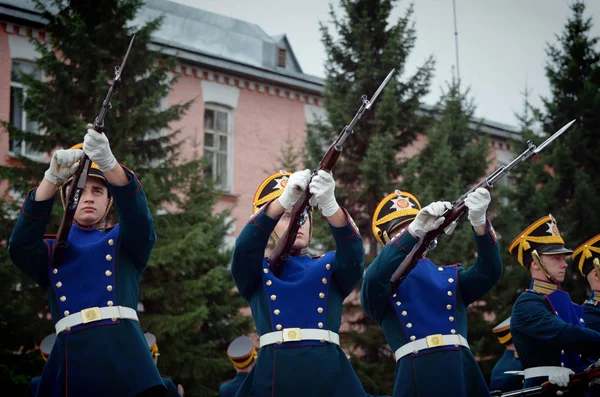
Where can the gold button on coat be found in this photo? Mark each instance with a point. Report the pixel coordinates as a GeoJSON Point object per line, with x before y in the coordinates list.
{"type": "Point", "coordinates": [320, 325]}
{"type": "Point", "coordinates": [109, 288]}
{"type": "Point", "coordinates": [409, 325]}
{"type": "Point", "coordinates": [324, 281]}
{"type": "Point", "coordinates": [108, 273]}
{"type": "Point", "coordinates": [63, 298]}
{"type": "Point", "coordinates": [269, 282]}
{"type": "Point", "coordinates": [273, 297]}
{"type": "Point", "coordinates": [451, 319]}
{"type": "Point", "coordinates": [404, 313]}
{"type": "Point", "coordinates": [276, 311]}
{"type": "Point", "coordinates": [413, 338]}
{"type": "Point", "coordinates": [108, 257]}
{"type": "Point", "coordinates": [265, 270]}
{"type": "Point", "coordinates": [109, 303]}
{"type": "Point", "coordinates": [328, 266]}
{"type": "Point", "coordinates": [279, 327]}
{"type": "Point", "coordinates": [450, 280]}
{"type": "Point", "coordinates": [321, 295]}
{"type": "Point", "coordinates": [54, 271]}
{"type": "Point", "coordinates": [320, 310]}
{"type": "Point", "coordinates": [111, 242]}
{"type": "Point", "coordinates": [449, 307]}
{"type": "Point", "coordinates": [449, 293]}
{"type": "Point", "coordinates": [58, 285]}
{"type": "Point", "coordinates": [66, 313]}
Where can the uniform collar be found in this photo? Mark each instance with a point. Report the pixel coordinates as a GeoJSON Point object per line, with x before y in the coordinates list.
{"type": "Point", "coordinates": [595, 296]}
{"type": "Point", "coordinates": [543, 287]}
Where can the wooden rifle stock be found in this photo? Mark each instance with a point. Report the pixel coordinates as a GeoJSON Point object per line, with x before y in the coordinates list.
{"type": "Point", "coordinates": [410, 261]}
{"type": "Point", "coordinates": [280, 253]}
{"type": "Point", "coordinates": [429, 241]}
{"type": "Point", "coordinates": [81, 175]}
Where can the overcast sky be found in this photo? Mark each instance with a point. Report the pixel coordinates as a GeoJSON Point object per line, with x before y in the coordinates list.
{"type": "Point", "coordinates": [501, 44]}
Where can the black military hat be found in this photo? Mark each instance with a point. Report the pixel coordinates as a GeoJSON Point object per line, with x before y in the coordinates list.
{"type": "Point", "coordinates": [47, 345]}
{"type": "Point", "coordinates": [394, 210]}
{"type": "Point", "coordinates": [502, 332]}
{"type": "Point", "coordinates": [270, 189]}
{"type": "Point", "coordinates": [589, 256]}
{"type": "Point", "coordinates": [542, 236]}
{"type": "Point", "coordinates": [241, 352]}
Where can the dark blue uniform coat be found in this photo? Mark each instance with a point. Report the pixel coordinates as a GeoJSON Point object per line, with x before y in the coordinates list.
{"type": "Point", "coordinates": [230, 388]}
{"type": "Point", "coordinates": [308, 294]}
{"type": "Point", "coordinates": [432, 300]}
{"type": "Point", "coordinates": [101, 268]}
{"type": "Point", "coordinates": [591, 311]}
{"type": "Point", "coordinates": [549, 330]}
{"type": "Point", "coordinates": [506, 382]}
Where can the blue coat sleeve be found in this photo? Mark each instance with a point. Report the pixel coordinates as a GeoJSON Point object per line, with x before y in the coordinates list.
{"type": "Point", "coordinates": [136, 225]}
{"type": "Point", "coordinates": [349, 256]}
{"type": "Point", "coordinates": [485, 272]}
{"type": "Point", "coordinates": [249, 252]}
{"type": "Point", "coordinates": [26, 247]}
{"type": "Point", "coordinates": [532, 317]}
{"type": "Point", "coordinates": [377, 288]}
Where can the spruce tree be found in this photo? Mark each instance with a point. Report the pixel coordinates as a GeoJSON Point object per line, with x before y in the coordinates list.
{"type": "Point", "coordinates": [563, 181]}
{"type": "Point", "coordinates": [361, 51]}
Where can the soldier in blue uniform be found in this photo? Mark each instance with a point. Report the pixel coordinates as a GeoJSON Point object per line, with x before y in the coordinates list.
{"type": "Point", "coordinates": [100, 348]}
{"type": "Point", "coordinates": [172, 389]}
{"type": "Point", "coordinates": [587, 258]}
{"type": "Point", "coordinates": [500, 380]}
{"type": "Point", "coordinates": [425, 320]}
{"type": "Point", "coordinates": [242, 354]}
{"type": "Point", "coordinates": [45, 349]}
{"type": "Point", "coordinates": [548, 329]}
{"type": "Point", "coordinates": [298, 314]}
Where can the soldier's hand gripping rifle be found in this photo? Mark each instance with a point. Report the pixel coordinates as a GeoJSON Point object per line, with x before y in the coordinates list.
{"type": "Point", "coordinates": [81, 175]}
{"type": "Point", "coordinates": [579, 384]}
{"type": "Point", "coordinates": [299, 210]}
{"type": "Point", "coordinates": [430, 239]}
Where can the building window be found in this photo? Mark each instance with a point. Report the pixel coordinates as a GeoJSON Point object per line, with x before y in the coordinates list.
{"type": "Point", "coordinates": [281, 57]}
{"type": "Point", "coordinates": [217, 145]}
{"type": "Point", "coordinates": [18, 115]}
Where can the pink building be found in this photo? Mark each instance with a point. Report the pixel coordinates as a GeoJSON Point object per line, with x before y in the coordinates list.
{"type": "Point", "coordinates": [252, 96]}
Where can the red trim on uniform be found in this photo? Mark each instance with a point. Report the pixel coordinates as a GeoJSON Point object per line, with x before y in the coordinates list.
{"type": "Point", "coordinates": [23, 206]}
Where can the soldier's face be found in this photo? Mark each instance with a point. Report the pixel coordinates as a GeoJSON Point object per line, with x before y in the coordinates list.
{"type": "Point", "coordinates": [93, 202]}
{"type": "Point", "coordinates": [556, 265]}
{"type": "Point", "coordinates": [303, 236]}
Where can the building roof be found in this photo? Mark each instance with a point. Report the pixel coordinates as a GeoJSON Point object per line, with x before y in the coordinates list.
{"type": "Point", "coordinates": [219, 42]}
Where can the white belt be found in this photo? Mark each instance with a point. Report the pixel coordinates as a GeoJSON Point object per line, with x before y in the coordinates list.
{"type": "Point", "coordinates": [430, 342]}
{"type": "Point", "coordinates": [95, 314]}
{"type": "Point", "coordinates": [542, 371]}
{"type": "Point", "coordinates": [299, 334]}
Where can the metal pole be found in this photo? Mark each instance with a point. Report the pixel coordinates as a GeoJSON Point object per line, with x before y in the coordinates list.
{"type": "Point", "coordinates": [456, 39]}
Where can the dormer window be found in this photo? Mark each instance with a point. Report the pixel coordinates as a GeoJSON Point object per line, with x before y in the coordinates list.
{"type": "Point", "coordinates": [281, 57]}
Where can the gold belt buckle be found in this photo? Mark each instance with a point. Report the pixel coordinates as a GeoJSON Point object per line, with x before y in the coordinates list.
{"type": "Point", "coordinates": [90, 315]}
{"type": "Point", "coordinates": [435, 340]}
{"type": "Point", "coordinates": [292, 334]}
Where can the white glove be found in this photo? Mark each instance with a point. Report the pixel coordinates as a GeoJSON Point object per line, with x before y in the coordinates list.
{"type": "Point", "coordinates": [296, 184]}
{"type": "Point", "coordinates": [477, 202]}
{"type": "Point", "coordinates": [429, 218]}
{"type": "Point", "coordinates": [97, 148]}
{"type": "Point", "coordinates": [322, 187]}
{"type": "Point", "coordinates": [561, 378]}
{"type": "Point", "coordinates": [64, 163]}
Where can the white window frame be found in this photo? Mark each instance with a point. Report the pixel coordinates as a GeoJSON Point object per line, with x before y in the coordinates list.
{"type": "Point", "coordinates": [230, 139]}
{"type": "Point", "coordinates": [33, 155]}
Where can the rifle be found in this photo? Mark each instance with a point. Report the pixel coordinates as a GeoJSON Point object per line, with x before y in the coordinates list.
{"type": "Point", "coordinates": [430, 240]}
{"type": "Point", "coordinates": [299, 211]}
{"type": "Point", "coordinates": [579, 384]}
{"type": "Point", "coordinates": [81, 175]}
